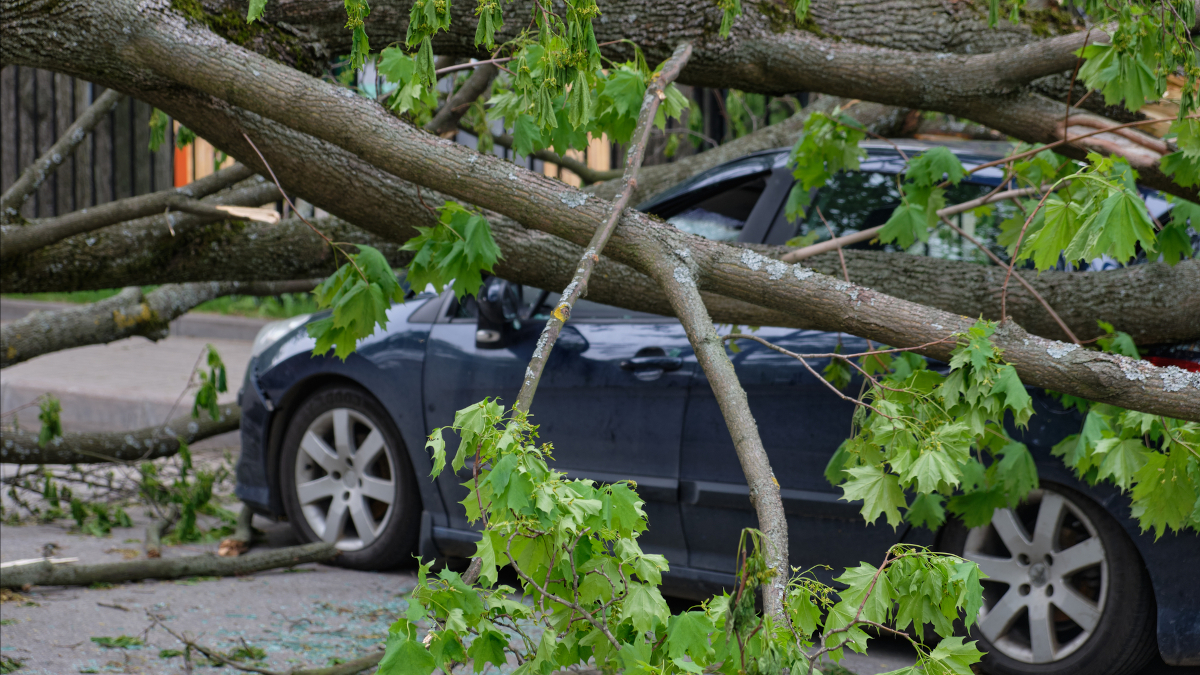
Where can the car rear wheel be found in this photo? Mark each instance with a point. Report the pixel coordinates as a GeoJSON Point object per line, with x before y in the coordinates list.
{"type": "Point", "coordinates": [1067, 593]}
{"type": "Point", "coordinates": [346, 479]}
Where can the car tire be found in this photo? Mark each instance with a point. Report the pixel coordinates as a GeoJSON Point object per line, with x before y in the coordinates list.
{"type": "Point", "coordinates": [1072, 598]}
{"type": "Point", "coordinates": [344, 472]}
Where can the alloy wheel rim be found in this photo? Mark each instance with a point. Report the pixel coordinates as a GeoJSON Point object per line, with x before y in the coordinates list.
{"type": "Point", "coordinates": [1048, 578]}
{"type": "Point", "coordinates": [345, 480]}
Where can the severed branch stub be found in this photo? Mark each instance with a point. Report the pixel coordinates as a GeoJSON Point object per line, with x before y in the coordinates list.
{"type": "Point", "coordinates": [14, 198]}
{"type": "Point", "coordinates": [655, 93]}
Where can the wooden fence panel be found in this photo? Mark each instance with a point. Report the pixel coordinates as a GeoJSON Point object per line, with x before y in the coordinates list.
{"type": "Point", "coordinates": [37, 107]}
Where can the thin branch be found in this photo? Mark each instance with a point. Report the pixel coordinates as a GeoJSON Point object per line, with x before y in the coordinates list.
{"type": "Point", "coordinates": [41, 233]}
{"type": "Point", "coordinates": [655, 93]}
{"type": "Point", "coordinates": [870, 233]}
{"type": "Point", "coordinates": [457, 103]}
{"type": "Point", "coordinates": [13, 198]}
{"type": "Point", "coordinates": [1020, 279]}
{"type": "Point", "coordinates": [472, 64]}
{"type": "Point", "coordinates": [1013, 262]}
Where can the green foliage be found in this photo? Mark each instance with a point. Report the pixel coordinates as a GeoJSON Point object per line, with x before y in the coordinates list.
{"type": "Point", "coordinates": [593, 593]}
{"type": "Point", "coordinates": [98, 519]}
{"type": "Point", "coordinates": [187, 494]}
{"type": "Point", "coordinates": [939, 436]}
{"type": "Point", "coordinates": [360, 294]}
{"type": "Point", "coordinates": [255, 10]}
{"type": "Point", "coordinates": [9, 664]}
{"type": "Point", "coordinates": [828, 144]}
{"type": "Point", "coordinates": [212, 384]}
{"type": "Point", "coordinates": [49, 410]}
{"type": "Point", "coordinates": [159, 121]}
{"type": "Point", "coordinates": [1154, 458]}
{"type": "Point", "coordinates": [412, 95]}
{"type": "Point", "coordinates": [455, 252]}
{"type": "Point", "coordinates": [120, 642]}
{"type": "Point", "coordinates": [184, 137]}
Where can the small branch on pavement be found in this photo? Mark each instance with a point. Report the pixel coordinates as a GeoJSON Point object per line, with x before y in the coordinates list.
{"type": "Point", "coordinates": [21, 446]}
{"type": "Point", "coordinates": [14, 198]}
{"type": "Point", "coordinates": [46, 574]}
{"type": "Point", "coordinates": [655, 93]}
{"type": "Point", "coordinates": [348, 668]}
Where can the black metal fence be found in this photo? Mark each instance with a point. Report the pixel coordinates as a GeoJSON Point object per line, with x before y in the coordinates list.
{"type": "Point", "coordinates": [114, 162]}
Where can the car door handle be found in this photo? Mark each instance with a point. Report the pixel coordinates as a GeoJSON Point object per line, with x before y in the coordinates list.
{"type": "Point", "coordinates": [652, 363]}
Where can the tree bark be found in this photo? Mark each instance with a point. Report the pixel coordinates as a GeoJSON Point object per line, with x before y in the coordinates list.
{"type": "Point", "coordinates": [674, 270]}
{"type": "Point", "coordinates": [124, 315]}
{"type": "Point", "coordinates": [39, 233]}
{"type": "Point", "coordinates": [21, 446]}
{"type": "Point", "coordinates": [35, 174]}
{"type": "Point", "coordinates": [46, 574]}
{"type": "Point", "coordinates": [541, 203]}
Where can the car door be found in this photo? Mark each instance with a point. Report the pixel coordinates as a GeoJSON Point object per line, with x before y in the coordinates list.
{"type": "Point", "coordinates": [611, 400]}
{"type": "Point", "coordinates": [801, 423]}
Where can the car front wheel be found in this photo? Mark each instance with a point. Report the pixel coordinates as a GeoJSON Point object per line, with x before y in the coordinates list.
{"type": "Point", "coordinates": [346, 479]}
{"type": "Point", "coordinates": [1066, 592]}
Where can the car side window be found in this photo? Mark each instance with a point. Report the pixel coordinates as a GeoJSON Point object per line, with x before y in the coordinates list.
{"type": "Point", "coordinates": [853, 201]}
{"type": "Point", "coordinates": [537, 304]}
{"type": "Point", "coordinates": [722, 216]}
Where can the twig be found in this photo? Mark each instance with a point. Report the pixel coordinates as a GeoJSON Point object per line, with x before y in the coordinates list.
{"type": "Point", "coordinates": [1017, 252]}
{"type": "Point", "coordinates": [473, 64]}
{"type": "Point", "coordinates": [35, 174]}
{"type": "Point", "coordinates": [1020, 279]}
{"type": "Point", "coordinates": [870, 233]}
{"type": "Point", "coordinates": [297, 211]}
{"type": "Point", "coordinates": [578, 286]}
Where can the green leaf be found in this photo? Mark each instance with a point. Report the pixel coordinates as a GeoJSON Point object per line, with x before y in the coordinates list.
{"type": "Point", "coordinates": [927, 511]}
{"type": "Point", "coordinates": [956, 657]}
{"type": "Point", "coordinates": [437, 446]}
{"type": "Point", "coordinates": [644, 607]}
{"type": "Point", "coordinates": [1164, 496]}
{"type": "Point", "coordinates": [527, 137]}
{"type": "Point", "coordinates": [1061, 222]}
{"type": "Point", "coordinates": [1121, 459]}
{"type": "Point", "coordinates": [688, 633]}
{"type": "Point", "coordinates": [880, 492]}
{"type": "Point", "coordinates": [932, 165]}
{"type": "Point", "coordinates": [255, 10]}
{"type": "Point", "coordinates": [1115, 230]}
{"type": "Point", "coordinates": [931, 470]}
{"type": "Point", "coordinates": [488, 648]}
{"type": "Point", "coordinates": [975, 508]}
{"type": "Point", "coordinates": [1016, 398]}
{"type": "Point", "coordinates": [1017, 471]}
{"type": "Point", "coordinates": [907, 224]}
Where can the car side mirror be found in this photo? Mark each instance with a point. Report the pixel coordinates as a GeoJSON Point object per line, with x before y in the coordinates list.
{"type": "Point", "coordinates": [498, 320]}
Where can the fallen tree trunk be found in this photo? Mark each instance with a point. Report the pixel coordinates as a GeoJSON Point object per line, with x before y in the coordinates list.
{"type": "Point", "coordinates": [126, 314]}
{"type": "Point", "coordinates": [21, 446]}
{"type": "Point", "coordinates": [46, 574]}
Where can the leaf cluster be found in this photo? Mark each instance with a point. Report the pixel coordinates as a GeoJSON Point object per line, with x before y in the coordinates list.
{"type": "Point", "coordinates": [212, 384]}
{"type": "Point", "coordinates": [188, 494]}
{"type": "Point", "coordinates": [360, 294]}
{"type": "Point", "coordinates": [454, 253]}
{"type": "Point", "coordinates": [828, 144]}
{"type": "Point", "coordinates": [941, 437]}
{"type": "Point", "coordinates": [591, 595]}
{"type": "Point", "coordinates": [1155, 459]}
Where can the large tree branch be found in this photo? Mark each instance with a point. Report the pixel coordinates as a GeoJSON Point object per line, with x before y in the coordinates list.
{"type": "Point", "coordinates": [21, 446]}
{"type": "Point", "coordinates": [39, 233]}
{"type": "Point", "coordinates": [369, 132]}
{"type": "Point", "coordinates": [126, 314]}
{"type": "Point", "coordinates": [35, 174]}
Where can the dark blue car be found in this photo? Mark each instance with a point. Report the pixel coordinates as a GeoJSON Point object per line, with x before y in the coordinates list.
{"type": "Point", "coordinates": [338, 448]}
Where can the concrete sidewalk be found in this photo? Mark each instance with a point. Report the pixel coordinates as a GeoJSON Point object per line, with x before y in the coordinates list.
{"type": "Point", "coordinates": [131, 383]}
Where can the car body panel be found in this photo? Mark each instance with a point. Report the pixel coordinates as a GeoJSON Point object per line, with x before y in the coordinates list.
{"type": "Point", "coordinates": [666, 433]}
